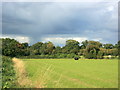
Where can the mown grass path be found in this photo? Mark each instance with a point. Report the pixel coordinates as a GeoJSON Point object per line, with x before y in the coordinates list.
{"type": "Point", "coordinates": [22, 78]}
{"type": "Point", "coordinates": [68, 73]}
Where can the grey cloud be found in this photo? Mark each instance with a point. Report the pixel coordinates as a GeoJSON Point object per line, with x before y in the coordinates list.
{"type": "Point", "coordinates": [37, 20]}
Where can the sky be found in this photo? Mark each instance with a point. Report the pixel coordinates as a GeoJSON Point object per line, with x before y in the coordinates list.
{"type": "Point", "coordinates": [59, 21]}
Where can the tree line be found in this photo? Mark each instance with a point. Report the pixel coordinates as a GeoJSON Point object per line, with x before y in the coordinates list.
{"type": "Point", "coordinates": [72, 48]}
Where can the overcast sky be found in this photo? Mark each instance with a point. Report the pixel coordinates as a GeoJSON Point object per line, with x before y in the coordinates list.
{"type": "Point", "coordinates": [59, 21]}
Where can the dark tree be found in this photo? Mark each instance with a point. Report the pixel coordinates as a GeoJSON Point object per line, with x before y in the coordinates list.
{"type": "Point", "coordinates": [108, 46]}
{"type": "Point", "coordinates": [11, 47]}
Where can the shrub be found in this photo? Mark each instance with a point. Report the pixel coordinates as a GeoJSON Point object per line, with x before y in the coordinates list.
{"type": "Point", "coordinates": [100, 55]}
{"type": "Point", "coordinates": [72, 55]}
{"type": "Point", "coordinates": [8, 73]}
{"type": "Point", "coordinates": [90, 55]}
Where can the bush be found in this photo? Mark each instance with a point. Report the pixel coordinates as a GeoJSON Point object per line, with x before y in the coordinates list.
{"type": "Point", "coordinates": [8, 73]}
{"type": "Point", "coordinates": [72, 55]}
{"type": "Point", "coordinates": [100, 55]}
{"type": "Point", "coordinates": [90, 55]}
{"type": "Point", "coordinates": [62, 56]}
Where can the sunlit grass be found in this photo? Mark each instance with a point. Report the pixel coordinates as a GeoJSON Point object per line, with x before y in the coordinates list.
{"type": "Point", "coordinates": [69, 73]}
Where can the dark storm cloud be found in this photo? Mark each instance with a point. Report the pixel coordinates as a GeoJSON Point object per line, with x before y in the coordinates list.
{"type": "Point", "coordinates": [37, 20]}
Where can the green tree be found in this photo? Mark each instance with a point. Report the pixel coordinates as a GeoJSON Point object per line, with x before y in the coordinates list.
{"type": "Point", "coordinates": [58, 49]}
{"type": "Point", "coordinates": [72, 46]}
{"type": "Point", "coordinates": [84, 44]}
{"type": "Point", "coordinates": [47, 48]}
{"type": "Point", "coordinates": [35, 48]}
{"type": "Point", "coordinates": [96, 43]}
{"type": "Point", "coordinates": [108, 46]}
{"type": "Point", "coordinates": [100, 55]}
{"type": "Point", "coordinates": [25, 45]}
{"type": "Point", "coordinates": [91, 51]}
{"type": "Point", "coordinates": [11, 47]}
{"type": "Point", "coordinates": [50, 47]}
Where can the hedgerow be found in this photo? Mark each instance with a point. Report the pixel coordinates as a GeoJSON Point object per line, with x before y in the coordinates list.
{"type": "Point", "coordinates": [8, 73]}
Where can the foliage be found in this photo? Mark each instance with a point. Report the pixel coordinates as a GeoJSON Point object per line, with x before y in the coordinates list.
{"type": "Point", "coordinates": [96, 43]}
{"type": "Point", "coordinates": [12, 48]}
{"type": "Point", "coordinates": [47, 48]}
{"type": "Point", "coordinates": [108, 46]}
{"type": "Point", "coordinates": [57, 49]}
{"type": "Point", "coordinates": [8, 73]}
{"type": "Point", "coordinates": [89, 49]}
{"type": "Point", "coordinates": [84, 44]}
{"type": "Point", "coordinates": [72, 46]}
{"type": "Point", "coordinates": [100, 55]}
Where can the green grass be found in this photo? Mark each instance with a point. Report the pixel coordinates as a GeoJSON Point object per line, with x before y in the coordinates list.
{"type": "Point", "coordinates": [68, 73]}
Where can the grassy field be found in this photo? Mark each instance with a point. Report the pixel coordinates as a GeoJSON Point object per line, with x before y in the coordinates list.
{"type": "Point", "coordinates": [68, 73]}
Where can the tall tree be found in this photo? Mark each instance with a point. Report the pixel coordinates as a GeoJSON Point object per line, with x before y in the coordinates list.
{"type": "Point", "coordinates": [35, 48]}
{"type": "Point", "coordinates": [84, 44]}
{"type": "Point", "coordinates": [72, 46]}
{"type": "Point", "coordinates": [58, 49]}
{"type": "Point", "coordinates": [108, 46]}
{"type": "Point", "coordinates": [96, 43]}
{"type": "Point", "coordinates": [47, 48]}
{"type": "Point", "coordinates": [92, 49]}
{"type": "Point", "coordinates": [11, 47]}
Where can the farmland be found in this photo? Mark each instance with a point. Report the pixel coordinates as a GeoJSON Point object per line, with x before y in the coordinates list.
{"type": "Point", "coordinates": [68, 73]}
{"type": "Point", "coordinates": [44, 65]}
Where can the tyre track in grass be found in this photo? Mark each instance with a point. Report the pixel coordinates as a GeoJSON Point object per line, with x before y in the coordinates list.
{"type": "Point", "coordinates": [92, 78]}
{"type": "Point", "coordinates": [74, 80]}
{"type": "Point", "coordinates": [71, 79]}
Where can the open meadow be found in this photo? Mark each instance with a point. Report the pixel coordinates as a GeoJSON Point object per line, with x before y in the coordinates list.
{"type": "Point", "coordinates": [70, 73]}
